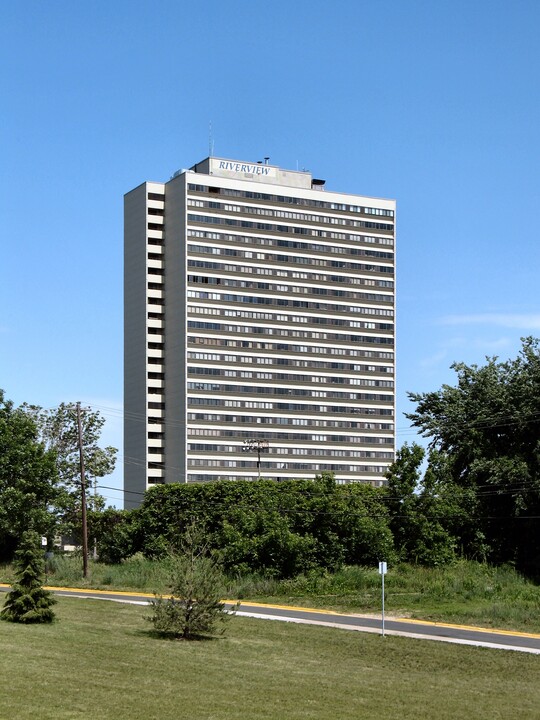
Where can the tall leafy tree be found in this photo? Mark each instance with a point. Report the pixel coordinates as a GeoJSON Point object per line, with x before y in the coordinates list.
{"type": "Point", "coordinates": [58, 428]}
{"type": "Point", "coordinates": [488, 427]}
{"type": "Point", "coordinates": [29, 490]}
{"type": "Point", "coordinates": [59, 431]}
{"type": "Point", "coordinates": [420, 513]}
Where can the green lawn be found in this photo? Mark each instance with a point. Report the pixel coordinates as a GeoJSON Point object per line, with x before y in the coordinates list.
{"type": "Point", "coordinates": [99, 661]}
{"type": "Point", "coordinates": [464, 592]}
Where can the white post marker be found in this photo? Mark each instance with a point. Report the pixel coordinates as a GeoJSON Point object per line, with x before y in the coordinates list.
{"type": "Point", "coordinates": [382, 573]}
{"type": "Point", "coordinates": [43, 541]}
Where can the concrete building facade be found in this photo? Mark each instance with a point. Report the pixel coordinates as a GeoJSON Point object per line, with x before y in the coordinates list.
{"type": "Point", "coordinates": [259, 329]}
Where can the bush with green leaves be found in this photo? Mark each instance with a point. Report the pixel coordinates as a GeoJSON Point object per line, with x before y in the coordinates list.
{"type": "Point", "coordinates": [194, 608]}
{"type": "Point", "coordinates": [114, 530]}
{"type": "Point", "coordinates": [279, 529]}
{"type": "Point", "coordinates": [28, 601]}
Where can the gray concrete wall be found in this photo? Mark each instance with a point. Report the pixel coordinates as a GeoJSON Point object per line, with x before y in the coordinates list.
{"type": "Point", "coordinates": [175, 330]}
{"type": "Point", "coordinates": [135, 259]}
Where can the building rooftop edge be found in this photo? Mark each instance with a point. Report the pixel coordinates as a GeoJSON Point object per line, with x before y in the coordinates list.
{"type": "Point", "coordinates": [262, 172]}
{"type": "Point", "coordinates": [266, 173]}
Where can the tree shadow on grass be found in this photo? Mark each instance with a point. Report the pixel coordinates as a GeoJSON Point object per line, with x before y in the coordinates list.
{"type": "Point", "coordinates": [155, 635]}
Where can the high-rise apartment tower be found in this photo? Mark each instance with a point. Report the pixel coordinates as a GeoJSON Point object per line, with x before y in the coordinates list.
{"type": "Point", "coordinates": [259, 329]}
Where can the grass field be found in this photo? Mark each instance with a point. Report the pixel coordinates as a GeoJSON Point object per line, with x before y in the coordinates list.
{"type": "Point", "coordinates": [465, 592]}
{"type": "Point", "coordinates": [100, 661]}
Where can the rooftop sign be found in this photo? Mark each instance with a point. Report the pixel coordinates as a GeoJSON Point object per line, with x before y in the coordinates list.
{"type": "Point", "coordinates": [231, 168]}
{"type": "Point", "coordinates": [244, 168]}
{"type": "Point", "coordinates": [254, 172]}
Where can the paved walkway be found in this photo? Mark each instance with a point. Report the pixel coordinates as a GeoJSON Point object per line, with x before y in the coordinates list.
{"type": "Point", "coordinates": [420, 629]}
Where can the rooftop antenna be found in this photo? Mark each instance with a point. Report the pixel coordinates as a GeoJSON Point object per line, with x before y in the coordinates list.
{"type": "Point", "coordinates": [210, 141]}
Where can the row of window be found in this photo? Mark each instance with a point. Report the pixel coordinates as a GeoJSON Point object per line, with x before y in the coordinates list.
{"type": "Point", "coordinates": [282, 332]}
{"type": "Point", "coordinates": [208, 477]}
{"type": "Point", "coordinates": [288, 215]}
{"type": "Point", "coordinates": [290, 332]}
{"type": "Point", "coordinates": [294, 274]}
{"type": "Point", "coordinates": [330, 251]}
{"type": "Point", "coordinates": [272, 436]}
{"type": "Point", "coordinates": [292, 362]}
{"type": "Point", "coordinates": [306, 202]}
{"type": "Point", "coordinates": [295, 319]}
{"type": "Point", "coordinates": [260, 285]}
{"type": "Point", "coordinates": [288, 377]}
{"type": "Point", "coordinates": [276, 298]}
{"type": "Point", "coordinates": [281, 229]}
{"type": "Point", "coordinates": [334, 249]}
{"type": "Point", "coordinates": [278, 273]}
{"type": "Point", "coordinates": [299, 392]}
{"type": "Point", "coordinates": [220, 297]}
{"type": "Point", "coordinates": [375, 354]}
{"type": "Point", "coordinates": [274, 289]}
{"type": "Point", "coordinates": [281, 466]}
{"type": "Point", "coordinates": [285, 407]}
{"type": "Point", "coordinates": [355, 238]}
{"type": "Point", "coordinates": [294, 422]}
{"type": "Point", "coordinates": [317, 452]}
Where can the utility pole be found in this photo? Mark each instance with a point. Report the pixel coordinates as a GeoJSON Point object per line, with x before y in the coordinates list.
{"type": "Point", "coordinates": [83, 495]}
{"type": "Point", "coordinates": [258, 446]}
{"type": "Point", "coordinates": [94, 554]}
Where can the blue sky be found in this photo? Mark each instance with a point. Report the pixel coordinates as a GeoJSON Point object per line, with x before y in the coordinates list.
{"type": "Point", "coordinates": [435, 104]}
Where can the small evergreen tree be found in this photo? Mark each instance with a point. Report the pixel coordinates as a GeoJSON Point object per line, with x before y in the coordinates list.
{"type": "Point", "coordinates": [28, 601]}
{"type": "Point", "coordinates": [194, 607]}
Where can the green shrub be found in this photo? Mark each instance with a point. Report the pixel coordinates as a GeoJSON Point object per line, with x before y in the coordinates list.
{"type": "Point", "coordinates": [194, 608]}
{"type": "Point", "coordinates": [280, 529]}
{"type": "Point", "coordinates": [114, 531]}
{"type": "Point", "coordinates": [28, 602]}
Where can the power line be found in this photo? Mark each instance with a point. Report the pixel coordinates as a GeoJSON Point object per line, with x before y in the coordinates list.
{"type": "Point", "coordinates": [490, 422]}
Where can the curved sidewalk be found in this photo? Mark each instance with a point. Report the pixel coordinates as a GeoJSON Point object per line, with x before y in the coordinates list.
{"type": "Point", "coordinates": [405, 627]}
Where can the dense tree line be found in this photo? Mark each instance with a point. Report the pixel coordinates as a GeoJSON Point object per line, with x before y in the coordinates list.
{"type": "Point", "coordinates": [278, 528]}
